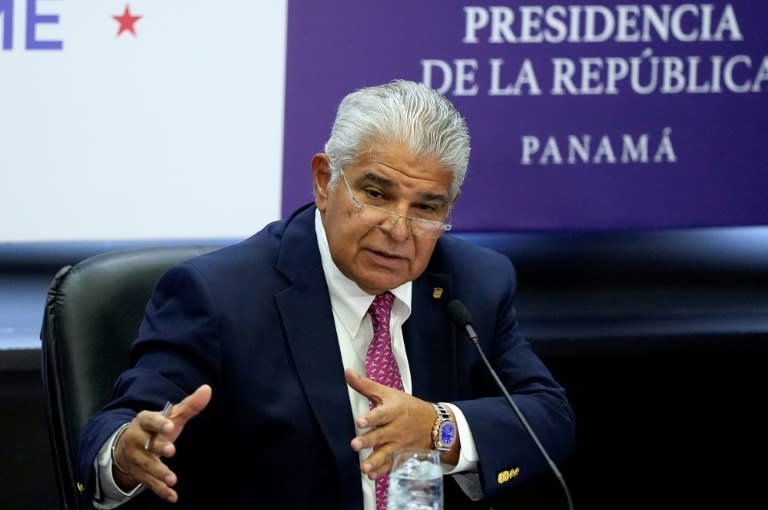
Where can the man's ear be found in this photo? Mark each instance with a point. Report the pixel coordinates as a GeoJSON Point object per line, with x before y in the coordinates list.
{"type": "Point", "coordinates": [321, 177]}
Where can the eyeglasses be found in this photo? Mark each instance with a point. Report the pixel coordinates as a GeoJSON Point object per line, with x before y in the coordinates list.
{"type": "Point", "coordinates": [379, 217]}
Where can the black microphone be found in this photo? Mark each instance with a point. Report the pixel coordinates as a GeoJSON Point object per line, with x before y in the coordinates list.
{"type": "Point", "coordinates": [459, 314]}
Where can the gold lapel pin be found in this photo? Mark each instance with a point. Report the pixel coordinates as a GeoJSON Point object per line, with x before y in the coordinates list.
{"type": "Point", "coordinates": [437, 292]}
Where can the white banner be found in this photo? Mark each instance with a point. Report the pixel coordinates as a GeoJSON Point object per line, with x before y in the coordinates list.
{"type": "Point", "coordinates": [140, 120]}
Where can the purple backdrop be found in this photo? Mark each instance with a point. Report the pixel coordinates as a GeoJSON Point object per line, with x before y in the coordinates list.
{"type": "Point", "coordinates": [599, 146]}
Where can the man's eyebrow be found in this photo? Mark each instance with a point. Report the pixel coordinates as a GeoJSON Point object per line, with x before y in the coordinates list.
{"type": "Point", "coordinates": [389, 185]}
{"type": "Point", "coordinates": [435, 197]}
{"type": "Point", "coordinates": [376, 179]}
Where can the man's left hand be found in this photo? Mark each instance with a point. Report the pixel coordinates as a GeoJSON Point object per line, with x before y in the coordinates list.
{"type": "Point", "coordinates": [398, 420]}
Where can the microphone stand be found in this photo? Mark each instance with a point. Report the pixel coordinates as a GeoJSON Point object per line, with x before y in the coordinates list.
{"type": "Point", "coordinates": [462, 315]}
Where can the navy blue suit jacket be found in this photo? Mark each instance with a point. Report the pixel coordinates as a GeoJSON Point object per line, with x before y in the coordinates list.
{"type": "Point", "coordinates": [254, 321]}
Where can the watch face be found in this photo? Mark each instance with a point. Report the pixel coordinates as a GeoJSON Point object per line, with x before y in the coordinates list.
{"type": "Point", "coordinates": [447, 433]}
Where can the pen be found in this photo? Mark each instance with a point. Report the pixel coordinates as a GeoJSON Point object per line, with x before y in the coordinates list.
{"type": "Point", "coordinates": [165, 412]}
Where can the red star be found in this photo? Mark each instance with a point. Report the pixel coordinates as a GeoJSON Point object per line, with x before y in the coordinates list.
{"type": "Point", "coordinates": [126, 20]}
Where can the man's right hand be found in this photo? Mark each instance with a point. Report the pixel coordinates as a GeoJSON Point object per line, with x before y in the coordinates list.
{"type": "Point", "coordinates": [132, 464]}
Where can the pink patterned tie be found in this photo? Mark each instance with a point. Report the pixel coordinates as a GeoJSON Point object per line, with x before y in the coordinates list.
{"type": "Point", "coordinates": [380, 366]}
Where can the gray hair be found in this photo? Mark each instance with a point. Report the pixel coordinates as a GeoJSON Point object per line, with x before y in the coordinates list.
{"type": "Point", "coordinates": [405, 112]}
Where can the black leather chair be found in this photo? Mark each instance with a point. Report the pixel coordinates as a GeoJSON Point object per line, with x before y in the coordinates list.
{"type": "Point", "coordinates": [92, 315]}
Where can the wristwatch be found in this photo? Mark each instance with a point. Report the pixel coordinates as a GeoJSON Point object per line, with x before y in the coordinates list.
{"type": "Point", "coordinates": [444, 430]}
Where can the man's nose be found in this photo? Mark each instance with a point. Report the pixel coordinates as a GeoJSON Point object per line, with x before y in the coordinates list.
{"type": "Point", "coordinates": [398, 227]}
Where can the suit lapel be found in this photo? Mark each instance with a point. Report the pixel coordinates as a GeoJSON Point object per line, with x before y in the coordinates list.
{"type": "Point", "coordinates": [305, 309]}
{"type": "Point", "coordinates": [429, 341]}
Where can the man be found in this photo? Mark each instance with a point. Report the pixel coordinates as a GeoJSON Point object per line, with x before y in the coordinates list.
{"type": "Point", "coordinates": [263, 347]}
